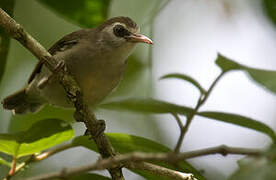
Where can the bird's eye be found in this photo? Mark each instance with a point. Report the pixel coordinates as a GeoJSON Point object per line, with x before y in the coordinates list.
{"type": "Point", "coordinates": [120, 31]}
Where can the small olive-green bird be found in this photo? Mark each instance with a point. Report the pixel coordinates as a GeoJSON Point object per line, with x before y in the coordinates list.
{"type": "Point", "coordinates": [95, 57]}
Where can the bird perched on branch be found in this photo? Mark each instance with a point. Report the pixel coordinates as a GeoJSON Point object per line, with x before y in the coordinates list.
{"type": "Point", "coordinates": [95, 57]}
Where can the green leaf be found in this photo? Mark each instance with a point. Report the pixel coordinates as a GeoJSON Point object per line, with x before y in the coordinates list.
{"type": "Point", "coordinates": [124, 143]}
{"type": "Point", "coordinates": [42, 135]}
{"type": "Point", "coordinates": [185, 78]}
{"type": "Point", "coordinates": [265, 78]}
{"type": "Point", "coordinates": [88, 13]}
{"type": "Point", "coordinates": [155, 106]}
{"type": "Point", "coordinates": [226, 64]}
{"type": "Point", "coordinates": [88, 176]}
{"type": "Point", "coordinates": [4, 162]}
{"type": "Point", "coordinates": [147, 106]}
{"type": "Point", "coordinates": [241, 121]}
{"type": "Point", "coordinates": [270, 9]}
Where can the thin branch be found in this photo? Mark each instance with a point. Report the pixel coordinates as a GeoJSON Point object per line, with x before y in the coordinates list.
{"type": "Point", "coordinates": [212, 87]}
{"type": "Point", "coordinates": [52, 152]}
{"type": "Point", "coordinates": [158, 170]}
{"type": "Point", "coordinates": [201, 100]}
{"type": "Point", "coordinates": [181, 136]}
{"type": "Point", "coordinates": [136, 157]}
{"type": "Point", "coordinates": [70, 85]}
{"type": "Point", "coordinates": [131, 165]}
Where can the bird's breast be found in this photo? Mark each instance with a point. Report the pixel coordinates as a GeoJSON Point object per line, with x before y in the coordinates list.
{"type": "Point", "coordinates": [99, 76]}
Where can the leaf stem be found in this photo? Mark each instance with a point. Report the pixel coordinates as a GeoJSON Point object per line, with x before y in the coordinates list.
{"type": "Point", "coordinates": [201, 100]}
{"type": "Point", "coordinates": [13, 167]}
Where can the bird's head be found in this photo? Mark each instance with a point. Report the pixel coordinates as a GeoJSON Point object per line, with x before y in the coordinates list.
{"type": "Point", "coordinates": [122, 32]}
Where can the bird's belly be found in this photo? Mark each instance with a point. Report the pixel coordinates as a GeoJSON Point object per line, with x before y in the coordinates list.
{"type": "Point", "coordinates": [95, 84]}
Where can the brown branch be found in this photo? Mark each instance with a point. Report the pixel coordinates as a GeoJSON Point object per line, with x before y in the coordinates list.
{"type": "Point", "coordinates": [131, 160]}
{"type": "Point", "coordinates": [158, 170]}
{"type": "Point", "coordinates": [131, 165]}
{"type": "Point", "coordinates": [68, 82]}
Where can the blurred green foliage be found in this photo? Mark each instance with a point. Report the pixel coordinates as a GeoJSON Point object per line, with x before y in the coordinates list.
{"type": "Point", "coordinates": [4, 162]}
{"type": "Point", "coordinates": [258, 168]}
{"type": "Point", "coordinates": [86, 13]}
{"type": "Point", "coordinates": [7, 5]}
{"type": "Point", "coordinates": [270, 9]}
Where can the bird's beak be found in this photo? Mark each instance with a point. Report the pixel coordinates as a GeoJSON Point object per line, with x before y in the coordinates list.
{"type": "Point", "coordinates": [139, 38]}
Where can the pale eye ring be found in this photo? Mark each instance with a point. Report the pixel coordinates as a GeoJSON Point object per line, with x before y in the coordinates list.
{"type": "Point", "coordinates": [120, 31]}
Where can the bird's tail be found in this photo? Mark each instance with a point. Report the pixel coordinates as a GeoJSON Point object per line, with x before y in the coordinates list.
{"type": "Point", "coordinates": [19, 103]}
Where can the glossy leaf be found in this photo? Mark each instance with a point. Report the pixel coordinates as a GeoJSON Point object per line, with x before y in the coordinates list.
{"type": "Point", "coordinates": [265, 78]}
{"type": "Point", "coordinates": [270, 9]}
{"type": "Point", "coordinates": [4, 162]}
{"type": "Point", "coordinates": [185, 78]}
{"type": "Point", "coordinates": [124, 143]}
{"type": "Point", "coordinates": [88, 176]}
{"type": "Point", "coordinates": [88, 13]}
{"type": "Point", "coordinates": [40, 136]}
{"type": "Point", "coordinates": [240, 121]}
{"type": "Point", "coordinates": [146, 106]}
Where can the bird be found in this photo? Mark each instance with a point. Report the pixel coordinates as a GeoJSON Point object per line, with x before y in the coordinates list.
{"type": "Point", "coordinates": [95, 57]}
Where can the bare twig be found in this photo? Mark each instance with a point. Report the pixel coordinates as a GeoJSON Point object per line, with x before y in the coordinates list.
{"type": "Point", "coordinates": [201, 100]}
{"type": "Point", "coordinates": [181, 136]}
{"type": "Point", "coordinates": [137, 157]}
{"type": "Point", "coordinates": [68, 82]}
{"type": "Point", "coordinates": [52, 152]}
{"type": "Point", "coordinates": [158, 170]}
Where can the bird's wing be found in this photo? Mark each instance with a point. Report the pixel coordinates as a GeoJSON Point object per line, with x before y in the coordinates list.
{"type": "Point", "coordinates": [63, 44]}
